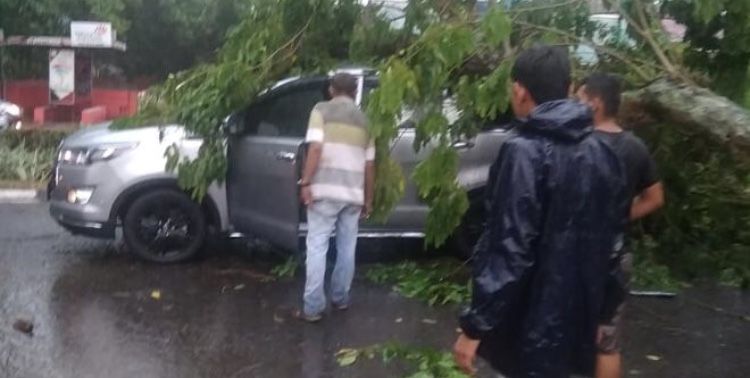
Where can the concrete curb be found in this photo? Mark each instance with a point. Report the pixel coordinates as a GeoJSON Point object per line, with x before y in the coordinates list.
{"type": "Point", "coordinates": [21, 195]}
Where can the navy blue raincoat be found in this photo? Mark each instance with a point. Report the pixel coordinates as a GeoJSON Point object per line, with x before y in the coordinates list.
{"type": "Point", "coordinates": [556, 208]}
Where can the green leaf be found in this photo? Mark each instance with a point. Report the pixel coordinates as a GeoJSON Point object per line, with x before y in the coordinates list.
{"type": "Point", "coordinates": [347, 357]}
{"type": "Point", "coordinates": [495, 26]}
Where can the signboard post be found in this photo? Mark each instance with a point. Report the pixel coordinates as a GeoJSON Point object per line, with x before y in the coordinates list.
{"type": "Point", "coordinates": [83, 77]}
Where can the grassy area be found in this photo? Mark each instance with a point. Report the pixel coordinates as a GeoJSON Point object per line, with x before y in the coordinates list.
{"type": "Point", "coordinates": [26, 156]}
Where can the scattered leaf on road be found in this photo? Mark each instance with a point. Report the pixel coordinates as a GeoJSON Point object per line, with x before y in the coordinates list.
{"type": "Point", "coordinates": [239, 287]}
{"type": "Point", "coordinates": [653, 357]}
{"type": "Point", "coordinates": [278, 319]}
{"type": "Point", "coordinates": [24, 326]}
{"type": "Point", "coordinates": [346, 357]}
{"type": "Point", "coordinates": [156, 294]}
{"type": "Point", "coordinates": [429, 321]}
{"type": "Point", "coordinates": [399, 320]}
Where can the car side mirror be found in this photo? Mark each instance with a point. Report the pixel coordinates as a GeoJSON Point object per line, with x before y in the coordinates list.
{"type": "Point", "coordinates": [231, 124]}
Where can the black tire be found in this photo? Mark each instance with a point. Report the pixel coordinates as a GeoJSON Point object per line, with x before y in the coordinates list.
{"type": "Point", "coordinates": [164, 226]}
{"type": "Point", "coordinates": [465, 238]}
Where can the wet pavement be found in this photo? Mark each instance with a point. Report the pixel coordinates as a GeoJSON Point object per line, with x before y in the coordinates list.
{"type": "Point", "coordinates": [98, 312]}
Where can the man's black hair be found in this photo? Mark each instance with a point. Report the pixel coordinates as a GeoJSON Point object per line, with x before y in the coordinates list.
{"type": "Point", "coordinates": [605, 87]}
{"type": "Point", "coordinates": [544, 71]}
{"type": "Point", "coordinates": [344, 83]}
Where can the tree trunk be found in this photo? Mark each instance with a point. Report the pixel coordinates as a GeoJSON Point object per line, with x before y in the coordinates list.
{"type": "Point", "coordinates": [668, 101]}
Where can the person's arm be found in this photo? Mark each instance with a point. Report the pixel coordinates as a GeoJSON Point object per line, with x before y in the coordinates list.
{"type": "Point", "coordinates": [504, 256]}
{"type": "Point", "coordinates": [650, 200]}
{"type": "Point", "coordinates": [314, 139]}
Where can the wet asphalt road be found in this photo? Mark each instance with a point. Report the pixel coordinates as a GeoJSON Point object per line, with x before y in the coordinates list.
{"type": "Point", "coordinates": [94, 316]}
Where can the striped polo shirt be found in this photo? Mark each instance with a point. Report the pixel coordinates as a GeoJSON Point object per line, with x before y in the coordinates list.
{"type": "Point", "coordinates": [342, 129]}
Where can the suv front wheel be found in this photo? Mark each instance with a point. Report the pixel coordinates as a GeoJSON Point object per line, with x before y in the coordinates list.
{"type": "Point", "coordinates": [164, 226]}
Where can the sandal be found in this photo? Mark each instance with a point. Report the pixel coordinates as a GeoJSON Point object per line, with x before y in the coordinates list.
{"type": "Point", "coordinates": [300, 315]}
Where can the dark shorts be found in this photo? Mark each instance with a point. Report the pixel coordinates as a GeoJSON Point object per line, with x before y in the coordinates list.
{"type": "Point", "coordinates": [609, 335]}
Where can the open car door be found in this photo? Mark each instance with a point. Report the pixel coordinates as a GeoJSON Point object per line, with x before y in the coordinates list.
{"type": "Point", "coordinates": [263, 159]}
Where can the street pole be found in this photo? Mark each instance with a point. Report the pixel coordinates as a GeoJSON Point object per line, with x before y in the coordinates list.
{"type": "Point", "coordinates": [2, 63]}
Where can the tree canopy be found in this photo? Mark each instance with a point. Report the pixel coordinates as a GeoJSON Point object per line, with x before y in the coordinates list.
{"type": "Point", "coordinates": [163, 36]}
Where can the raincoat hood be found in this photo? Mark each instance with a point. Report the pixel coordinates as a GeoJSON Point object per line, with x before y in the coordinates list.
{"type": "Point", "coordinates": [563, 120]}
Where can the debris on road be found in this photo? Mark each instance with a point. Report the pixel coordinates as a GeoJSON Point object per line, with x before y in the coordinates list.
{"type": "Point", "coordinates": [653, 357]}
{"type": "Point", "coordinates": [24, 326]}
{"type": "Point", "coordinates": [652, 293]}
{"type": "Point", "coordinates": [156, 295]}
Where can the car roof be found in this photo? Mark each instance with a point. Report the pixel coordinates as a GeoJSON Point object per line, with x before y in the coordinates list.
{"type": "Point", "coordinates": [368, 72]}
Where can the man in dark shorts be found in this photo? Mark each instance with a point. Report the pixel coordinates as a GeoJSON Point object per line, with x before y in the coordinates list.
{"type": "Point", "coordinates": [602, 93]}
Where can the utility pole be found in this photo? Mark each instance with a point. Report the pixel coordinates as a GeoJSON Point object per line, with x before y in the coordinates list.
{"type": "Point", "coordinates": [2, 64]}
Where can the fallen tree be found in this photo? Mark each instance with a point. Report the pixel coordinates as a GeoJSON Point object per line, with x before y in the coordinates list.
{"type": "Point", "coordinates": [686, 105]}
{"type": "Point", "coordinates": [426, 48]}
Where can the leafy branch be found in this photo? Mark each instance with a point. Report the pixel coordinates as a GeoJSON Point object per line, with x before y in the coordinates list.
{"type": "Point", "coordinates": [430, 363]}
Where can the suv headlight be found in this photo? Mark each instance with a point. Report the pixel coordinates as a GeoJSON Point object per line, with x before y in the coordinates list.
{"type": "Point", "coordinates": [93, 154]}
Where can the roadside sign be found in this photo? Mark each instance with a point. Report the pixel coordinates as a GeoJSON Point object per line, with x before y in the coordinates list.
{"type": "Point", "coordinates": [92, 34]}
{"type": "Point", "coordinates": [62, 77]}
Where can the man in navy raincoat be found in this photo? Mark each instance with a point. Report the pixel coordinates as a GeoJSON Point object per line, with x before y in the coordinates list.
{"type": "Point", "coordinates": [556, 211]}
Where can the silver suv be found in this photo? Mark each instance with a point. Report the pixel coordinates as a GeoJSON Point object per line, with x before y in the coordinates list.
{"type": "Point", "coordinates": [106, 178]}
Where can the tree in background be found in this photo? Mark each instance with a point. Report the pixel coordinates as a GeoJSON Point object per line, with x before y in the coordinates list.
{"type": "Point", "coordinates": [718, 41]}
{"type": "Point", "coordinates": [163, 36]}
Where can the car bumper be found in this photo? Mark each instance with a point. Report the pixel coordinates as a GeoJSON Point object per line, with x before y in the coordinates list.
{"type": "Point", "coordinates": [78, 222]}
{"type": "Point", "coordinates": [89, 219]}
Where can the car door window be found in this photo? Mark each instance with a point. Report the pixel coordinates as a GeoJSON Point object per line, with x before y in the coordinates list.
{"type": "Point", "coordinates": [285, 114]}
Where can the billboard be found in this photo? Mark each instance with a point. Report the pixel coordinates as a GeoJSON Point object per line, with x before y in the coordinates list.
{"type": "Point", "coordinates": [91, 34]}
{"type": "Point", "coordinates": [62, 77]}
{"type": "Point", "coordinates": [70, 77]}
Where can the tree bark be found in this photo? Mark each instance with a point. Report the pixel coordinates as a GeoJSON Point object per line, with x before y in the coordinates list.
{"type": "Point", "coordinates": [686, 105]}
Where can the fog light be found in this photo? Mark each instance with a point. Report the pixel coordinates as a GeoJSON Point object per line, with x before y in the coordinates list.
{"type": "Point", "coordinates": [80, 196]}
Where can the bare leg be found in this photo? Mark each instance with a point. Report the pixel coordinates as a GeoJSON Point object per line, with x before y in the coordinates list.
{"type": "Point", "coordinates": [608, 365]}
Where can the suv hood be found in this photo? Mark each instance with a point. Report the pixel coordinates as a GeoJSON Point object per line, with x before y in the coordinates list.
{"type": "Point", "coordinates": [104, 134]}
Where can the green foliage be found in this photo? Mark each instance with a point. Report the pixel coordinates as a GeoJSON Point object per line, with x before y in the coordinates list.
{"type": "Point", "coordinates": [718, 34]}
{"type": "Point", "coordinates": [34, 138]}
{"type": "Point", "coordinates": [429, 363]}
{"type": "Point", "coordinates": [163, 36]}
{"type": "Point", "coordinates": [436, 178]}
{"type": "Point", "coordinates": [27, 164]}
{"type": "Point", "coordinates": [421, 77]}
{"type": "Point", "coordinates": [27, 155]}
{"type": "Point", "coordinates": [435, 283]}
{"type": "Point", "coordinates": [703, 230]}
{"type": "Point", "coordinates": [647, 273]}
{"type": "Point", "coordinates": [274, 40]}
{"type": "Point", "coordinates": [287, 269]}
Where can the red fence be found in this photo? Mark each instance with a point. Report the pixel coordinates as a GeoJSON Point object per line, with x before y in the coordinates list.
{"type": "Point", "coordinates": [105, 103]}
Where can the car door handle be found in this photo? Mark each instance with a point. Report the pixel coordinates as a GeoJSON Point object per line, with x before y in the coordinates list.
{"type": "Point", "coordinates": [462, 145]}
{"type": "Point", "coordinates": [286, 156]}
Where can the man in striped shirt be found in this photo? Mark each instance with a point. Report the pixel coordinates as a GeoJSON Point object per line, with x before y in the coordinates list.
{"type": "Point", "coordinates": [337, 189]}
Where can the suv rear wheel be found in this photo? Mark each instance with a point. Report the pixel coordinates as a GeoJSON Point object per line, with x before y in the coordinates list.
{"type": "Point", "coordinates": [164, 226]}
